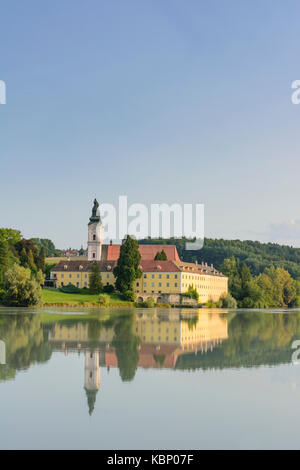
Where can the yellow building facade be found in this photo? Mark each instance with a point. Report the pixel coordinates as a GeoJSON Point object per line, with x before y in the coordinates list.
{"type": "Point", "coordinates": [159, 278]}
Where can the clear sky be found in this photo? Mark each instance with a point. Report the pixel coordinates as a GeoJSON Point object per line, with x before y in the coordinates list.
{"type": "Point", "coordinates": [159, 100]}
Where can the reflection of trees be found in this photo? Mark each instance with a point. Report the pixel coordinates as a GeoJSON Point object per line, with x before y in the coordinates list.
{"type": "Point", "coordinates": [126, 345]}
{"type": "Point", "coordinates": [25, 343]}
{"type": "Point", "coordinates": [191, 322]}
{"type": "Point", "coordinates": [254, 339]}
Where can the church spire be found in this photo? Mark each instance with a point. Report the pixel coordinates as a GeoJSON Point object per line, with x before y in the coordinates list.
{"type": "Point", "coordinates": [95, 234]}
{"type": "Point", "coordinates": [95, 217]}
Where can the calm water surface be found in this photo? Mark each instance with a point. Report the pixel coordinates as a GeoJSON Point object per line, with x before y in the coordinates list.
{"type": "Point", "coordinates": [153, 379]}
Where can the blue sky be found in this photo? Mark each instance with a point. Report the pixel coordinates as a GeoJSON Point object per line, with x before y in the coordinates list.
{"type": "Point", "coordinates": [159, 100]}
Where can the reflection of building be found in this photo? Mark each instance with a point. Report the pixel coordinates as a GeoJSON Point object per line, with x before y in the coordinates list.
{"type": "Point", "coordinates": [91, 377]}
{"type": "Point", "coordinates": [164, 280]}
{"type": "Point", "coordinates": [163, 339]}
{"type": "Point", "coordinates": [171, 336]}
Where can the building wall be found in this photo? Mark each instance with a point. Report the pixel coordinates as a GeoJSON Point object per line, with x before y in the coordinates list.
{"type": "Point", "coordinates": [153, 284]}
{"type": "Point", "coordinates": [208, 287]}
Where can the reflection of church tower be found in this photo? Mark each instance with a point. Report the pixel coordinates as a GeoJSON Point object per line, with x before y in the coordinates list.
{"type": "Point", "coordinates": [95, 235]}
{"type": "Point", "coordinates": [91, 377]}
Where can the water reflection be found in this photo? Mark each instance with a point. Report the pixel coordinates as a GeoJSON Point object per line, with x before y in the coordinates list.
{"type": "Point", "coordinates": [157, 339]}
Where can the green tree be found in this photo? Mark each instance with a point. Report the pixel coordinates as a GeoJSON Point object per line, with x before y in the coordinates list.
{"type": "Point", "coordinates": [95, 282]}
{"type": "Point", "coordinates": [10, 236]}
{"type": "Point", "coordinates": [127, 269]}
{"type": "Point", "coordinates": [30, 261]}
{"type": "Point", "coordinates": [21, 288]}
{"type": "Point", "coordinates": [227, 301]}
{"type": "Point", "coordinates": [4, 260]}
{"type": "Point", "coordinates": [192, 293]}
{"type": "Point", "coordinates": [161, 255]}
{"type": "Point", "coordinates": [40, 260]}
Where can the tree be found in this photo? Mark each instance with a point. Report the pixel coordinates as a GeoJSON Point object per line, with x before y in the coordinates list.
{"type": "Point", "coordinates": [161, 255]}
{"type": "Point", "coordinates": [40, 261]}
{"type": "Point", "coordinates": [227, 301]}
{"type": "Point", "coordinates": [4, 260]}
{"type": "Point", "coordinates": [95, 283]}
{"type": "Point", "coordinates": [127, 269]}
{"type": "Point", "coordinates": [21, 288]}
{"type": "Point", "coordinates": [192, 293]}
{"type": "Point", "coordinates": [28, 254]}
{"type": "Point", "coordinates": [10, 235]}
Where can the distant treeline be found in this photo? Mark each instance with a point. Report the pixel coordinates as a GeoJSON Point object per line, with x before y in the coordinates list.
{"type": "Point", "coordinates": [256, 255]}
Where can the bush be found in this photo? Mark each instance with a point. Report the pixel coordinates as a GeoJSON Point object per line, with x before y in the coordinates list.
{"type": "Point", "coordinates": [104, 300]}
{"type": "Point", "coordinates": [149, 302]}
{"type": "Point", "coordinates": [162, 305]}
{"type": "Point", "coordinates": [21, 288]}
{"type": "Point", "coordinates": [211, 304]}
{"type": "Point", "coordinates": [129, 295]}
{"type": "Point", "coordinates": [109, 289]}
{"type": "Point", "coordinates": [70, 289]}
{"type": "Point", "coordinates": [192, 293]}
{"type": "Point", "coordinates": [227, 301]}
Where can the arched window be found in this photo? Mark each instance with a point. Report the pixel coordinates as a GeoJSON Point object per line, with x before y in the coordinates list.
{"type": "Point", "coordinates": [94, 237]}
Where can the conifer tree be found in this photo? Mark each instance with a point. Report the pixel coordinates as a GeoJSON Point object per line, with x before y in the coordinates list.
{"type": "Point", "coordinates": [127, 269]}
{"type": "Point", "coordinates": [95, 280]}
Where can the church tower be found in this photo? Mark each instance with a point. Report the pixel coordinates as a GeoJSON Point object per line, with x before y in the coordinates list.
{"type": "Point", "coordinates": [95, 235]}
{"type": "Point", "coordinates": [91, 377]}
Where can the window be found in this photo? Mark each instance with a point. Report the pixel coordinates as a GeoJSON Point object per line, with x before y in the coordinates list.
{"type": "Point", "coordinates": [94, 255]}
{"type": "Point", "coordinates": [159, 276]}
{"type": "Point", "coordinates": [168, 276]}
{"type": "Point", "coordinates": [175, 284]}
{"type": "Point", "coordinates": [145, 284]}
{"type": "Point", "coordinates": [145, 275]}
{"type": "Point", "coordinates": [70, 276]}
{"type": "Point", "coordinates": [152, 285]}
{"type": "Point", "coordinates": [62, 275]}
{"type": "Point", "coordinates": [77, 276]}
{"type": "Point", "coordinates": [175, 276]}
{"type": "Point", "coordinates": [159, 284]}
{"type": "Point", "coordinates": [168, 284]}
{"type": "Point", "coordinates": [94, 237]}
{"type": "Point", "coordinates": [152, 276]}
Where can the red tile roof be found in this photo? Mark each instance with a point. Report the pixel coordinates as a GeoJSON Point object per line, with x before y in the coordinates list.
{"type": "Point", "coordinates": [151, 266]}
{"type": "Point", "coordinates": [148, 252]}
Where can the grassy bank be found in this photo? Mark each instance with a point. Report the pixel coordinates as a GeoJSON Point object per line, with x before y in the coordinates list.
{"type": "Point", "coordinates": [60, 299]}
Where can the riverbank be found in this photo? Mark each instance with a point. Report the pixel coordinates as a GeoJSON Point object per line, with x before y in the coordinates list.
{"type": "Point", "coordinates": [56, 298]}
